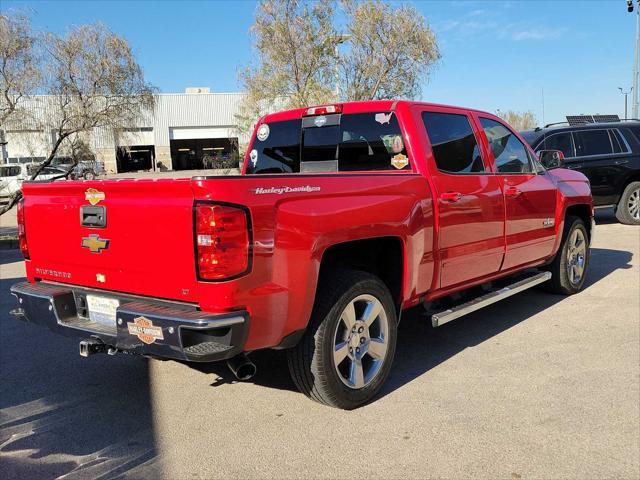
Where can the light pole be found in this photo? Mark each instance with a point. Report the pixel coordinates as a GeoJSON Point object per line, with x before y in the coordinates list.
{"type": "Point", "coordinates": [625, 100]}
{"type": "Point", "coordinates": [636, 54]}
{"type": "Point", "coordinates": [339, 39]}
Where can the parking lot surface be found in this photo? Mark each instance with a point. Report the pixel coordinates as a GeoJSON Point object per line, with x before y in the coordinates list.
{"type": "Point", "coordinates": [536, 386]}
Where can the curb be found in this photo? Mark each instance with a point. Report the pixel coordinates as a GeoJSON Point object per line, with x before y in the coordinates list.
{"type": "Point", "coordinates": [10, 243]}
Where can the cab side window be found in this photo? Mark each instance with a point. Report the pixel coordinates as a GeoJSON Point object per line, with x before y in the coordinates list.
{"type": "Point", "coordinates": [509, 152]}
{"type": "Point", "coordinates": [454, 145]}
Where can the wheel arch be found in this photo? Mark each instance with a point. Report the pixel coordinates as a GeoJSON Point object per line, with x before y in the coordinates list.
{"type": "Point", "coordinates": [383, 257]}
{"type": "Point", "coordinates": [583, 212]}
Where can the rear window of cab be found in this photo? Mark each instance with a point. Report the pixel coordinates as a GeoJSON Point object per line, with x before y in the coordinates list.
{"type": "Point", "coordinates": [329, 143]}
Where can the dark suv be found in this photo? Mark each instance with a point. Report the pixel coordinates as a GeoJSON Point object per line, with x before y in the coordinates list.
{"type": "Point", "coordinates": [607, 153]}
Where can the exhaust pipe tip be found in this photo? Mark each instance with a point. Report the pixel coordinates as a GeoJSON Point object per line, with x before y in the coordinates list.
{"type": "Point", "coordinates": [243, 368]}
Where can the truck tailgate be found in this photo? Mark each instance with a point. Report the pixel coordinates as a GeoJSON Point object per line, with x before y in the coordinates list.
{"type": "Point", "coordinates": [145, 247]}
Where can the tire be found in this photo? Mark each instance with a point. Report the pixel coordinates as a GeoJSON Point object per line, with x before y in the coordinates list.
{"type": "Point", "coordinates": [628, 208]}
{"type": "Point", "coordinates": [89, 175]}
{"type": "Point", "coordinates": [312, 363]}
{"type": "Point", "coordinates": [572, 258]}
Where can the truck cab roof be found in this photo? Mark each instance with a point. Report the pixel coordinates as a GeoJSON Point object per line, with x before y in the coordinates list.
{"type": "Point", "coordinates": [363, 106]}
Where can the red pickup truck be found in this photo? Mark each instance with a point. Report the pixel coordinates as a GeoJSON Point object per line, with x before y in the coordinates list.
{"type": "Point", "coordinates": [344, 216]}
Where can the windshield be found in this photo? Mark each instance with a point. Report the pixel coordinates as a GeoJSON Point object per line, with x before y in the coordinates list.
{"type": "Point", "coordinates": [350, 142]}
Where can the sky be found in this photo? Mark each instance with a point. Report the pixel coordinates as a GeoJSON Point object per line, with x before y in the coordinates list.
{"type": "Point", "coordinates": [496, 55]}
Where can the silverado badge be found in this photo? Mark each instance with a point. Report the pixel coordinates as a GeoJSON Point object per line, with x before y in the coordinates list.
{"type": "Point", "coordinates": [95, 244]}
{"type": "Point", "coordinates": [145, 330]}
{"type": "Point", "coordinates": [93, 196]}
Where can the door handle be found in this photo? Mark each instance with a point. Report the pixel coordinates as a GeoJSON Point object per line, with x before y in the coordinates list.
{"type": "Point", "coordinates": [512, 192]}
{"type": "Point", "coordinates": [621, 162]}
{"type": "Point", "coordinates": [451, 196]}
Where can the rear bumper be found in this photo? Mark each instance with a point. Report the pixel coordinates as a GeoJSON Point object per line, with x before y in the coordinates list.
{"type": "Point", "coordinates": [144, 326]}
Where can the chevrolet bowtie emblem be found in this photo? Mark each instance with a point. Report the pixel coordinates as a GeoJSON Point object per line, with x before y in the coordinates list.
{"type": "Point", "coordinates": [95, 244]}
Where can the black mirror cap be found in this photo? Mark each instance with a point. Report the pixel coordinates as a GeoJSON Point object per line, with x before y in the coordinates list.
{"type": "Point", "coordinates": [551, 158]}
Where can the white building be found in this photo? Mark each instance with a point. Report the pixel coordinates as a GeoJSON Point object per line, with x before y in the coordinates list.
{"type": "Point", "coordinates": [186, 131]}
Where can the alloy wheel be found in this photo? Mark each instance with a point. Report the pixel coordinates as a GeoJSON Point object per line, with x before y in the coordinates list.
{"type": "Point", "coordinates": [576, 256]}
{"type": "Point", "coordinates": [633, 204]}
{"type": "Point", "coordinates": [361, 341]}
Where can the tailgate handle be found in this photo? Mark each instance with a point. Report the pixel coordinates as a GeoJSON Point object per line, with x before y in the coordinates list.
{"type": "Point", "coordinates": [93, 216]}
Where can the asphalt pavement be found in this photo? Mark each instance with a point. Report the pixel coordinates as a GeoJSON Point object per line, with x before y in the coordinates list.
{"type": "Point", "coordinates": [537, 386]}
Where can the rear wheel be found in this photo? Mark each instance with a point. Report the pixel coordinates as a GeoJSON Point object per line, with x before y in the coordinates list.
{"type": "Point", "coordinates": [569, 267]}
{"type": "Point", "coordinates": [628, 209]}
{"type": "Point", "coordinates": [89, 175]}
{"type": "Point", "coordinates": [346, 353]}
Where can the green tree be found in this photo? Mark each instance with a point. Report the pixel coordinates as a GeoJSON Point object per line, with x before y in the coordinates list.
{"type": "Point", "coordinates": [387, 53]}
{"type": "Point", "coordinates": [295, 46]}
{"type": "Point", "coordinates": [391, 51]}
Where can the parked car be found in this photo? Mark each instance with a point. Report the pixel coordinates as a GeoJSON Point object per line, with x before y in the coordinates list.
{"type": "Point", "coordinates": [12, 175]}
{"type": "Point", "coordinates": [607, 153]}
{"type": "Point", "coordinates": [85, 169]}
{"type": "Point", "coordinates": [344, 216]}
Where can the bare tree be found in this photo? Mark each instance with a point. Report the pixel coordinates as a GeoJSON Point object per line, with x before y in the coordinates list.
{"type": "Point", "coordinates": [19, 64]}
{"type": "Point", "coordinates": [93, 81]}
{"type": "Point", "coordinates": [391, 51]}
{"type": "Point", "coordinates": [295, 44]}
{"type": "Point", "coordinates": [519, 120]}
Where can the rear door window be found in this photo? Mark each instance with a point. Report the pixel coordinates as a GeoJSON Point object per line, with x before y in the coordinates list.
{"type": "Point", "coordinates": [454, 145]}
{"type": "Point", "coordinates": [618, 140]}
{"type": "Point", "coordinates": [592, 142]}
{"type": "Point", "coordinates": [559, 141]}
{"type": "Point", "coordinates": [509, 152]}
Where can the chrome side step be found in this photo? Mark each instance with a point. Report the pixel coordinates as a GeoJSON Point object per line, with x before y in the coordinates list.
{"type": "Point", "coordinates": [458, 311]}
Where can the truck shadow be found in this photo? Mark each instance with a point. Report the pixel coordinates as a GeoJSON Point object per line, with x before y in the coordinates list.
{"type": "Point", "coordinates": [421, 347]}
{"type": "Point", "coordinates": [64, 415]}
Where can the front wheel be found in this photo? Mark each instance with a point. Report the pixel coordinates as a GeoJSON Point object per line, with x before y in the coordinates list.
{"type": "Point", "coordinates": [569, 267]}
{"type": "Point", "coordinates": [346, 353]}
{"type": "Point", "coordinates": [628, 209]}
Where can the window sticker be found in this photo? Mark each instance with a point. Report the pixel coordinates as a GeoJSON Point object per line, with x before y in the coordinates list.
{"type": "Point", "coordinates": [263, 132]}
{"type": "Point", "coordinates": [398, 145]}
{"type": "Point", "coordinates": [399, 161]}
{"type": "Point", "coordinates": [383, 118]}
{"type": "Point", "coordinates": [320, 121]}
{"type": "Point", "coordinates": [253, 156]}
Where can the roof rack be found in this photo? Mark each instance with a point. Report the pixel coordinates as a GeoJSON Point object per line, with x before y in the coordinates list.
{"type": "Point", "coordinates": [557, 123]}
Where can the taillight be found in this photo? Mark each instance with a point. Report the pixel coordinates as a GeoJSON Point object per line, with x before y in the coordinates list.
{"type": "Point", "coordinates": [323, 110]}
{"type": "Point", "coordinates": [22, 233]}
{"type": "Point", "coordinates": [222, 241]}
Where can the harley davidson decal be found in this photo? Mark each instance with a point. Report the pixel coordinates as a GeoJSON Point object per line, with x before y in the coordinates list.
{"type": "Point", "coordinates": [93, 196]}
{"type": "Point", "coordinates": [399, 161]}
{"type": "Point", "coordinates": [145, 330]}
{"type": "Point", "coordinates": [286, 189]}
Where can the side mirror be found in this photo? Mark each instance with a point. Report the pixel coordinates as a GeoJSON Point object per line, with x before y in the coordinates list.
{"type": "Point", "coordinates": [551, 158]}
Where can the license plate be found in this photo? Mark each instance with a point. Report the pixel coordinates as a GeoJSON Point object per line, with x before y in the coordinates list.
{"type": "Point", "coordinates": [102, 310]}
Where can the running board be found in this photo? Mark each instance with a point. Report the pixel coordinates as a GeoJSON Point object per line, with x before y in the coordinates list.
{"type": "Point", "coordinates": [458, 311]}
